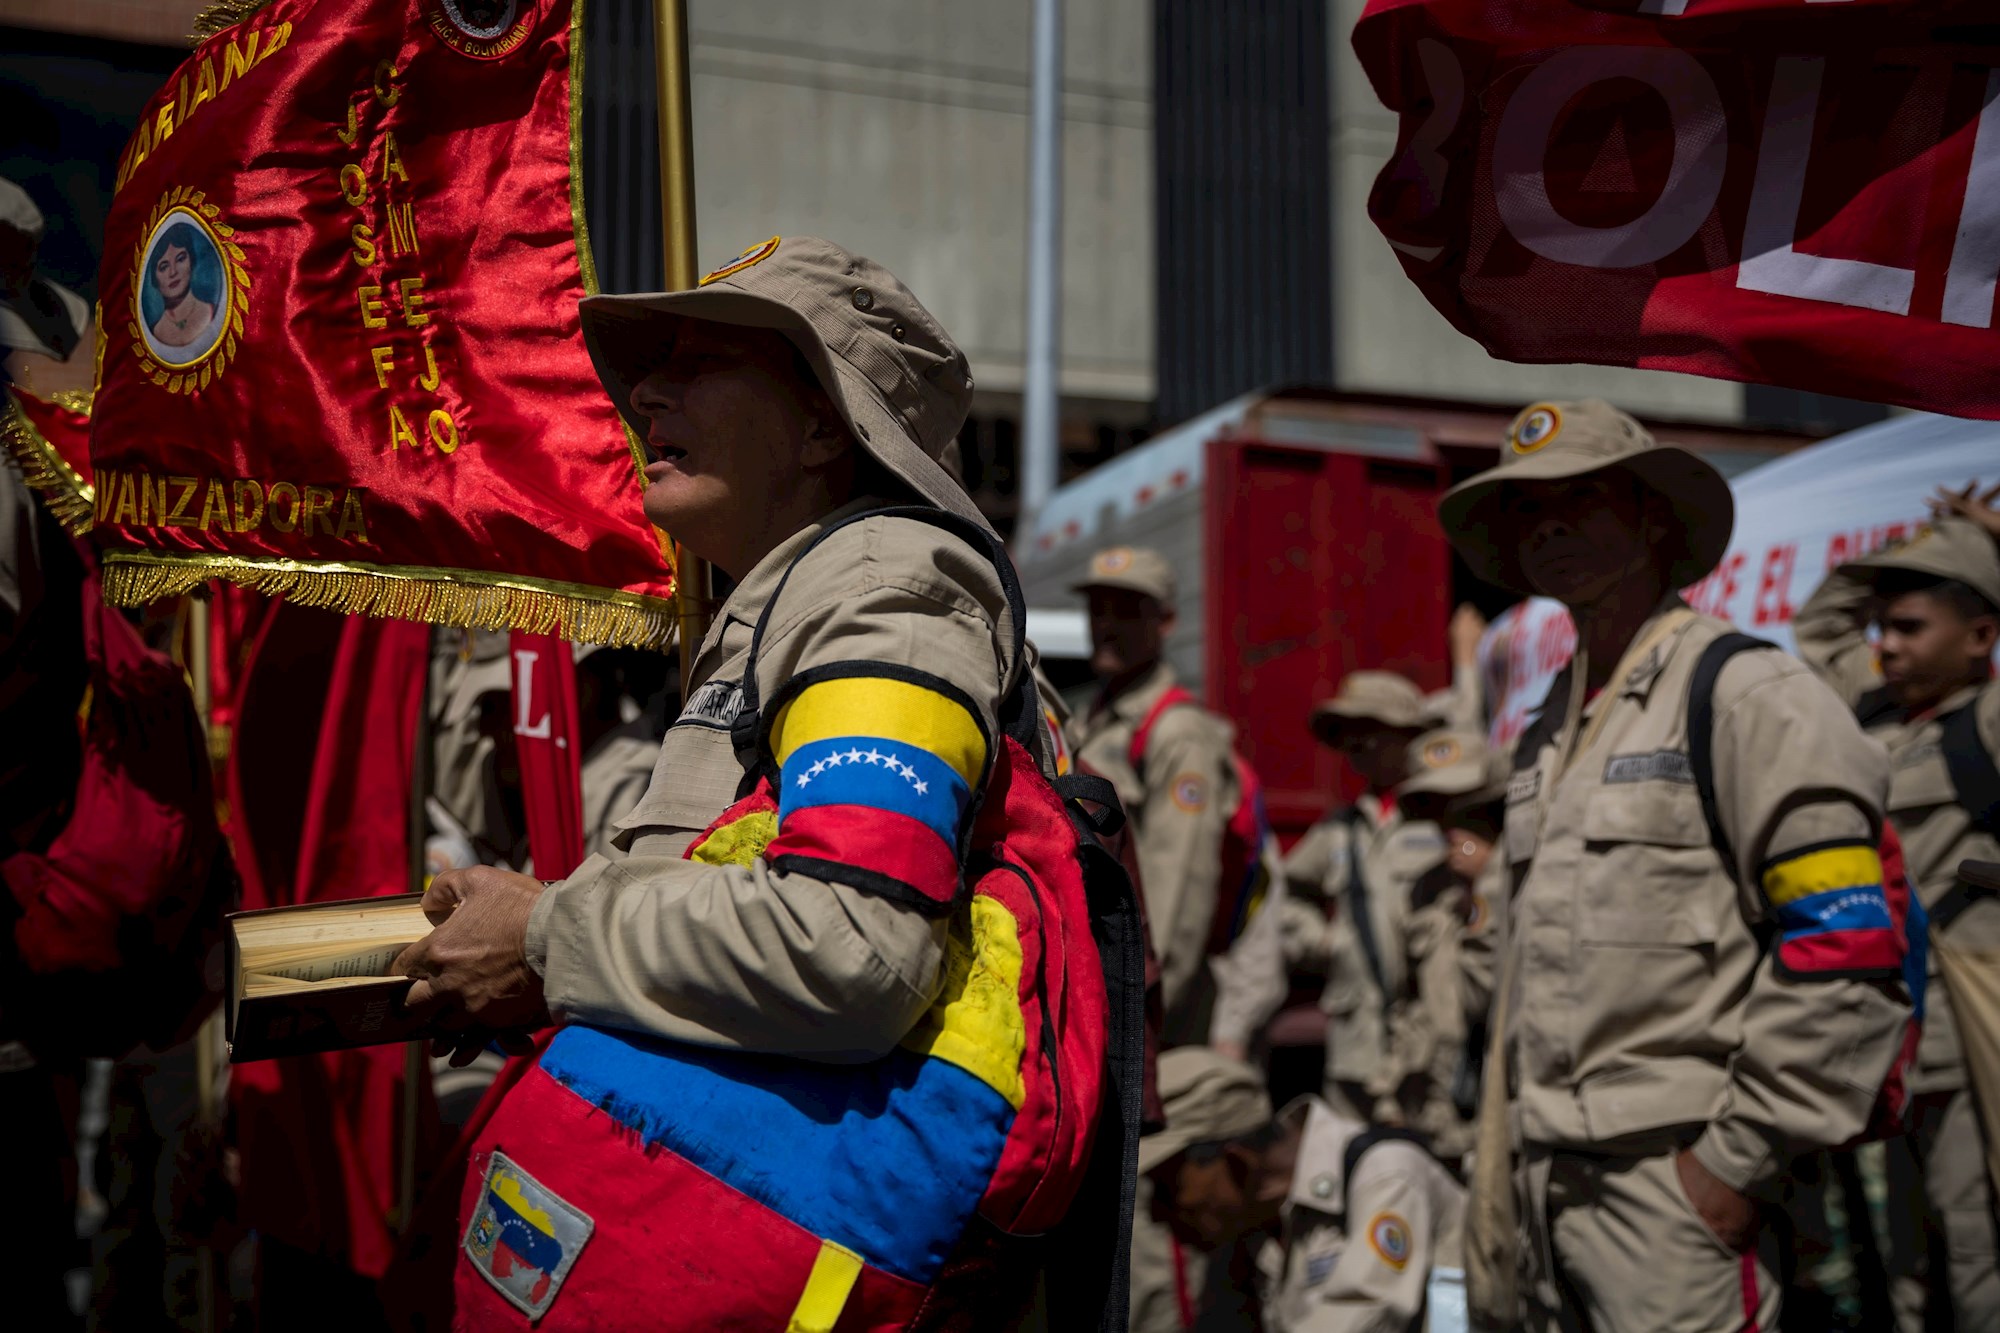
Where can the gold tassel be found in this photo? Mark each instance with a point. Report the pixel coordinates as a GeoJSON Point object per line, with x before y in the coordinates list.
{"type": "Point", "coordinates": [221, 15]}
{"type": "Point", "coordinates": [69, 497]}
{"type": "Point", "coordinates": [581, 619]}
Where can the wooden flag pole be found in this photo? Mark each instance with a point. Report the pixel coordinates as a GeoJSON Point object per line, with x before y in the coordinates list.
{"type": "Point", "coordinates": [674, 83]}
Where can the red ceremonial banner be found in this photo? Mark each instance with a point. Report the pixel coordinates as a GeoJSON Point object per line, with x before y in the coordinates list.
{"type": "Point", "coordinates": [50, 440]}
{"type": "Point", "coordinates": [545, 746]}
{"type": "Point", "coordinates": [340, 356]}
{"type": "Point", "coordinates": [1765, 190]}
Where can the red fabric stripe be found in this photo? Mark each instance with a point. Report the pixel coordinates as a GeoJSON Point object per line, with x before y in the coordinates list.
{"type": "Point", "coordinates": [1182, 1295]}
{"type": "Point", "coordinates": [1750, 1301]}
{"type": "Point", "coordinates": [881, 842]}
{"type": "Point", "coordinates": [1843, 950]}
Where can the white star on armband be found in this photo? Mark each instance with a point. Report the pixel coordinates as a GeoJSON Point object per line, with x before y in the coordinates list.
{"type": "Point", "coordinates": [922, 787]}
{"type": "Point", "coordinates": [804, 779]}
{"type": "Point", "coordinates": [854, 756]}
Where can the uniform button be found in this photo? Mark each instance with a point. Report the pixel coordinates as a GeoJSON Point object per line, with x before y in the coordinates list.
{"type": "Point", "coordinates": [863, 299]}
{"type": "Point", "coordinates": [1322, 1187]}
{"type": "Point", "coordinates": [897, 331]}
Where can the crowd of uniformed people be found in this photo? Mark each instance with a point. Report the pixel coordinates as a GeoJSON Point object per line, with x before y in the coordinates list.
{"type": "Point", "coordinates": [1607, 1018]}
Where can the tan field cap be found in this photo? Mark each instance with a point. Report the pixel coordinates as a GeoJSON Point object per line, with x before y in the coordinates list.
{"type": "Point", "coordinates": [1445, 763]}
{"type": "Point", "coordinates": [897, 378]}
{"type": "Point", "coordinates": [1134, 568]}
{"type": "Point", "coordinates": [1557, 441]}
{"type": "Point", "coordinates": [1949, 548]}
{"type": "Point", "coordinates": [1381, 697]}
{"type": "Point", "coordinates": [1209, 1098]}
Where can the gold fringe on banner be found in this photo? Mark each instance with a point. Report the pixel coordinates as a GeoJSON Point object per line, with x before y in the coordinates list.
{"type": "Point", "coordinates": [221, 15]}
{"type": "Point", "coordinates": [69, 497]}
{"type": "Point", "coordinates": [469, 598]}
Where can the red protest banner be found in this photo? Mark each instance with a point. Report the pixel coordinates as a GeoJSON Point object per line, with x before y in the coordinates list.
{"type": "Point", "coordinates": [1751, 189]}
{"type": "Point", "coordinates": [340, 356]}
{"type": "Point", "coordinates": [50, 441]}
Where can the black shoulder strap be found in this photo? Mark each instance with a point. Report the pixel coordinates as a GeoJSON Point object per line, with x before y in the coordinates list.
{"type": "Point", "coordinates": [1974, 779]}
{"type": "Point", "coordinates": [1701, 732]}
{"type": "Point", "coordinates": [1874, 706]}
{"type": "Point", "coordinates": [1356, 1148]}
{"type": "Point", "coordinates": [1359, 907]}
{"type": "Point", "coordinates": [1019, 715]}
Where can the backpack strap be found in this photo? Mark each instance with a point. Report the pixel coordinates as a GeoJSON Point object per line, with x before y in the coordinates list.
{"type": "Point", "coordinates": [1701, 732]}
{"type": "Point", "coordinates": [1359, 899]}
{"type": "Point", "coordinates": [1875, 706]}
{"type": "Point", "coordinates": [1357, 1147]}
{"type": "Point", "coordinates": [1142, 735]}
{"type": "Point", "coordinates": [1974, 778]}
{"type": "Point", "coordinates": [1019, 716]}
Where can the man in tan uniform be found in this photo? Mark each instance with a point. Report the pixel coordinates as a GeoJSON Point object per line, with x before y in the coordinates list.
{"type": "Point", "coordinates": [1675, 1026]}
{"type": "Point", "coordinates": [1937, 601]}
{"type": "Point", "coordinates": [1350, 879]}
{"type": "Point", "coordinates": [1180, 798]}
{"type": "Point", "coordinates": [1346, 1226]}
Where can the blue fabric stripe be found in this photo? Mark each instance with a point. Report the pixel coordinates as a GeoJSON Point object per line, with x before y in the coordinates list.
{"type": "Point", "coordinates": [889, 1158]}
{"type": "Point", "coordinates": [884, 775]}
{"type": "Point", "coordinates": [1862, 907]}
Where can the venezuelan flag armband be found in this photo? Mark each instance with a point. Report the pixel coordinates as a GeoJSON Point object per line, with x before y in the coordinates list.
{"type": "Point", "coordinates": [1833, 913]}
{"type": "Point", "coordinates": [877, 770]}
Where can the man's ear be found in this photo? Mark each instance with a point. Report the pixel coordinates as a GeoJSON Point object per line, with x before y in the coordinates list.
{"type": "Point", "coordinates": [1982, 633]}
{"type": "Point", "coordinates": [827, 441]}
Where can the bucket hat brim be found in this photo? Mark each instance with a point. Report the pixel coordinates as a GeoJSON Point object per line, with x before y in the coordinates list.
{"type": "Point", "coordinates": [1475, 520]}
{"type": "Point", "coordinates": [629, 337]}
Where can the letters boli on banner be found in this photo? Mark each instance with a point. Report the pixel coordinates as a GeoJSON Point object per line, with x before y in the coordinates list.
{"type": "Point", "coordinates": [339, 357]}
{"type": "Point", "coordinates": [1800, 193]}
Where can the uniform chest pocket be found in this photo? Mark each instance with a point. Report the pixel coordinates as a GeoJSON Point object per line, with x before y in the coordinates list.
{"type": "Point", "coordinates": [1650, 877]}
{"type": "Point", "coordinates": [696, 779]}
{"type": "Point", "coordinates": [1920, 780]}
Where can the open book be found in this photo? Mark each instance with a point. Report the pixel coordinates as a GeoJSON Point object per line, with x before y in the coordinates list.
{"type": "Point", "coordinates": [321, 977]}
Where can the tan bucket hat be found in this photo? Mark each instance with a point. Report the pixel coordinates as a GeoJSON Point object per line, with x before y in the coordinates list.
{"type": "Point", "coordinates": [898, 380]}
{"type": "Point", "coordinates": [1381, 697]}
{"type": "Point", "coordinates": [1209, 1098]}
{"type": "Point", "coordinates": [1556, 441]}
{"type": "Point", "coordinates": [1948, 548]}
{"type": "Point", "coordinates": [1446, 763]}
{"type": "Point", "coordinates": [1134, 568]}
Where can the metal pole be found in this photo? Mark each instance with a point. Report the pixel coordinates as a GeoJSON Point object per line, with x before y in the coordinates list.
{"type": "Point", "coordinates": [1040, 426]}
{"type": "Point", "coordinates": [209, 1059]}
{"type": "Point", "coordinates": [674, 84]}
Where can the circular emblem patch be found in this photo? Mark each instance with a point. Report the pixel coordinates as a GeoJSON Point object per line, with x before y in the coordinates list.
{"type": "Point", "coordinates": [189, 289]}
{"type": "Point", "coordinates": [482, 29]}
{"type": "Point", "coordinates": [1535, 428]}
{"type": "Point", "coordinates": [1389, 1236]}
{"type": "Point", "coordinates": [1190, 792]}
{"type": "Point", "coordinates": [1115, 561]}
{"type": "Point", "coordinates": [756, 254]}
{"type": "Point", "coordinates": [1441, 753]}
{"type": "Point", "coordinates": [1476, 914]}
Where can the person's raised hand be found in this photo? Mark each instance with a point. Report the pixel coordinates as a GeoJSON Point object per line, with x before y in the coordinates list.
{"type": "Point", "coordinates": [472, 971]}
{"type": "Point", "coordinates": [1969, 503]}
{"type": "Point", "coordinates": [1466, 629]}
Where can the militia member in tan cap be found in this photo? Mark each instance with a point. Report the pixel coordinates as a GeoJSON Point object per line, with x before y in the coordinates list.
{"type": "Point", "coordinates": [1933, 701]}
{"type": "Point", "coordinates": [1350, 879]}
{"type": "Point", "coordinates": [1346, 1224]}
{"type": "Point", "coordinates": [1675, 1027]}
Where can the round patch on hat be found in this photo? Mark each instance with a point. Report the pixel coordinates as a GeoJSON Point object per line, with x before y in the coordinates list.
{"type": "Point", "coordinates": [1535, 427]}
{"type": "Point", "coordinates": [1190, 792]}
{"type": "Point", "coordinates": [1442, 753]}
{"type": "Point", "coordinates": [1389, 1236]}
{"type": "Point", "coordinates": [756, 254]}
{"type": "Point", "coordinates": [1115, 561]}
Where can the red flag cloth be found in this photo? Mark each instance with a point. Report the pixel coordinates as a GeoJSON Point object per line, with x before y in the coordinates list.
{"type": "Point", "coordinates": [341, 357]}
{"type": "Point", "coordinates": [545, 746]}
{"type": "Point", "coordinates": [50, 439]}
{"type": "Point", "coordinates": [1806, 196]}
{"type": "Point", "coordinates": [321, 1135]}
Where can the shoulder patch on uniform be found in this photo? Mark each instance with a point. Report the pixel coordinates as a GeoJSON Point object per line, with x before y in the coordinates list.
{"type": "Point", "coordinates": [1190, 792]}
{"type": "Point", "coordinates": [1389, 1237]}
{"type": "Point", "coordinates": [756, 254]}
{"type": "Point", "coordinates": [523, 1238]}
{"type": "Point", "coordinates": [714, 705]}
{"type": "Point", "coordinates": [1319, 1267]}
{"type": "Point", "coordinates": [1477, 914]}
{"type": "Point", "coordinates": [1659, 766]}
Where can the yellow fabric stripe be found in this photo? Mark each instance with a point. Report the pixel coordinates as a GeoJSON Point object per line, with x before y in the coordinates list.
{"type": "Point", "coordinates": [828, 1286]}
{"type": "Point", "coordinates": [738, 842]}
{"type": "Point", "coordinates": [891, 710]}
{"type": "Point", "coordinates": [975, 1022]}
{"type": "Point", "coordinates": [1817, 872]}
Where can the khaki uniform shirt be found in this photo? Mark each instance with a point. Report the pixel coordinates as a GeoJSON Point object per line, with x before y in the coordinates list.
{"type": "Point", "coordinates": [1394, 853]}
{"type": "Point", "coordinates": [1180, 806]}
{"type": "Point", "coordinates": [466, 665]}
{"type": "Point", "coordinates": [1328, 1272]}
{"type": "Point", "coordinates": [615, 775]}
{"type": "Point", "coordinates": [1647, 1003]}
{"type": "Point", "coordinates": [1937, 832]}
{"type": "Point", "coordinates": [740, 955]}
